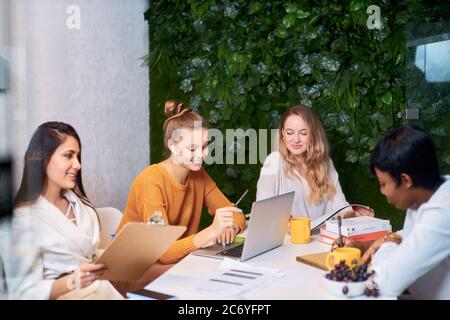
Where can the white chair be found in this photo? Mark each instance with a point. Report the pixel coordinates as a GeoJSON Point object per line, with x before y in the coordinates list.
{"type": "Point", "coordinates": [109, 220]}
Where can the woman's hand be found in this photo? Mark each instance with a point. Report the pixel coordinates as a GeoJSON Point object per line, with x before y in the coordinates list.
{"type": "Point", "coordinates": [228, 235]}
{"type": "Point", "coordinates": [358, 212]}
{"type": "Point", "coordinates": [368, 255]}
{"type": "Point", "coordinates": [223, 219]}
{"type": "Point", "coordinates": [84, 276]}
{"type": "Point", "coordinates": [361, 211]}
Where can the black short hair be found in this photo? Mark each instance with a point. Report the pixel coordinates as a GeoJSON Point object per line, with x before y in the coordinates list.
{"type": "Point", "coordinates": [408, 149]}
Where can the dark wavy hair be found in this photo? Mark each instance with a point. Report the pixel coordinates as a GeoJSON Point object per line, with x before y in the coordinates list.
{"type": "Point", "coordinates": [45, 140]}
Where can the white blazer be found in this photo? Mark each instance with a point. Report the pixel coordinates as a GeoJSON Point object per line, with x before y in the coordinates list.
{"type": "Point", "coordinates": [51, 244]}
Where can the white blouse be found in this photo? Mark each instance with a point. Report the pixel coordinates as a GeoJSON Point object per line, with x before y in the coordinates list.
{"type": "Point", "coordinates": [273, 181]}
{"type": "Point", "coordinates": [60, 244]}
{"type": "Point", "coordinates": [422, 261]}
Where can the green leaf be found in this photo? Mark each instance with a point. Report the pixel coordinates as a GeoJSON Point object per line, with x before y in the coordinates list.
{"type": "Point", "coordinates": [289, 21]}
{"type": "Point", "coordinates": [399, 58]}
{"type": "Point", "coordinates": [279, 52]}
{"type": "Point", "coordinates": [372, 142]}
{"type": "Point", "coordinates": [199, 9]}
{"type": "Point", "coordinates": [356, 5]}
{"type": "Point", "coordinates": [386, 123]}
{"type": "Point", "coordinates": [302, 14]}
{"type": "Point", "coordinates": [255, 7]}
{"type": "Point", "coordinates": [265, 107]}
{"type": "Point", "coordinates": [336, 7]}
{"type": "Point", "coordinates": [387, 98]}
{"type": "Point", "coordinates": [291, 8]}
{"type": "Point", "coordinates": [281, 33]}
{"type": "Point", "coordinates": [227, 112]}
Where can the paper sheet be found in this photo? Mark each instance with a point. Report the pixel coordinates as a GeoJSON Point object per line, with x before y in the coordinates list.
{"type": "Point", "coordinates": [234, 279]}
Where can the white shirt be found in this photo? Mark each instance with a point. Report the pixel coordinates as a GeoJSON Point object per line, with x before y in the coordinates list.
{"type": "Point", "coordinates": [59, 245]}
{"type": "Point", "coordinates": [273, 181]}
{"type": "Point", "coordinates": [422, 261]}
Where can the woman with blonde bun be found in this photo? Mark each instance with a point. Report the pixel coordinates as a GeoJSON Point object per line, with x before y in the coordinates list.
{"type": "Point", "coordinates": [178, 188]}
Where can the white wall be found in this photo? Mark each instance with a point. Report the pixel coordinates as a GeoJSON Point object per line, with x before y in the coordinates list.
{"type": "Point", "coordinates": [5, 129]}
{"type": "Point", "coordinates": [91, 78]}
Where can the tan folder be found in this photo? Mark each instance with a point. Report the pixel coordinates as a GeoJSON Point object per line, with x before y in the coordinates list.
{"type": "Point", "coordinates": [135, 249]}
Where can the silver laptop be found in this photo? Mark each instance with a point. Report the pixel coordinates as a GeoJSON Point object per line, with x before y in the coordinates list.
{"type": "Point", "coordinates": [266, 230]}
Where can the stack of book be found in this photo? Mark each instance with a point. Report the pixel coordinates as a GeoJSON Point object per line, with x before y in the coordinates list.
{"type": "Point", "coordinates": [359, 228]}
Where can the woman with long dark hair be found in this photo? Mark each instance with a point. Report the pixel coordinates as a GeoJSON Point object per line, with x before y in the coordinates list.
{"type": "Point", "coordinates": [52, 204]}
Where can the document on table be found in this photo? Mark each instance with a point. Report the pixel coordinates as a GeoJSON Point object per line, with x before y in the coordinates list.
{"type": "Point", "coordinates": [234, 279]}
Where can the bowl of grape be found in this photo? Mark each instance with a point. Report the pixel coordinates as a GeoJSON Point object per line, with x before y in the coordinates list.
{"type": "Point", "coordinates": [350, 281]}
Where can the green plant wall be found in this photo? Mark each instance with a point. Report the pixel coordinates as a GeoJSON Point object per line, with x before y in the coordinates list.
{"type": "Point", "coordinates": [242, 63]}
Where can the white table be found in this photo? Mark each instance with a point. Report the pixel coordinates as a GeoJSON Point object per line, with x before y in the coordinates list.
{"type": "Point", "coordinates": [301, 281]}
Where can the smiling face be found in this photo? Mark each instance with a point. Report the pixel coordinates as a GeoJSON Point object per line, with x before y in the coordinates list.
{"type": "Point", "coordinates": [402, 195]}
{"type": "Point", "coordinates": [191, 147]}
{"type": "Point", "coordinates": [296, 135]}
{"type": "Point", "coordinates": [64, 165]}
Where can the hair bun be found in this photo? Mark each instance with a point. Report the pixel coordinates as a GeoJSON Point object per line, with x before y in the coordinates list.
{"type": "Point", "coordinates": [173, 107]}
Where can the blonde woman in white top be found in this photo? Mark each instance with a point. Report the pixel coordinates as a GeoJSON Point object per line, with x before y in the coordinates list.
{"type": "Point", "coordinates": [303, 165]}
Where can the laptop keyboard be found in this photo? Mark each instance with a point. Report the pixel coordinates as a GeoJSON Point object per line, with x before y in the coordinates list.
{"type": "Point", "coordinates": [233, 252]}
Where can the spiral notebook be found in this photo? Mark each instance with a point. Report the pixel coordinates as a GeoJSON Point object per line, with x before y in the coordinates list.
{"type": "Point", "coordinates": [317, 260]}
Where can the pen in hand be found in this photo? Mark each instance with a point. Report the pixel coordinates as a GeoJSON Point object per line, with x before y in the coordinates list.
{"type": "Point", "coordinates": [236, 204]}
{"type": "Point", "coordinates": [242, 197]}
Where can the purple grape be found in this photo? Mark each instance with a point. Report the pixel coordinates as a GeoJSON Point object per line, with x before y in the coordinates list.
{"type": "Point", "coordinates": [345, 290]}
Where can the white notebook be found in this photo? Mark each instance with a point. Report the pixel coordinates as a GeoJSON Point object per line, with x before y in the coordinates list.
{"type": "Point", "coordinates": [358, 225]}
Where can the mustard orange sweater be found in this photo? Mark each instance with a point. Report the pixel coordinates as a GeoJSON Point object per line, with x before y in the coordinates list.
{"type": "Point", "coordinates": [155, 189]}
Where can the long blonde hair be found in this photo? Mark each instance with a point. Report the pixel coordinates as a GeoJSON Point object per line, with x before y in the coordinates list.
{"type": "Point", "coordinates": [317, 155]}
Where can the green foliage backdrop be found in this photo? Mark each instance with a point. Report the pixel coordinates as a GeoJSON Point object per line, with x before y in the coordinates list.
{"type": "Point", "coordinates": [241, 64]}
